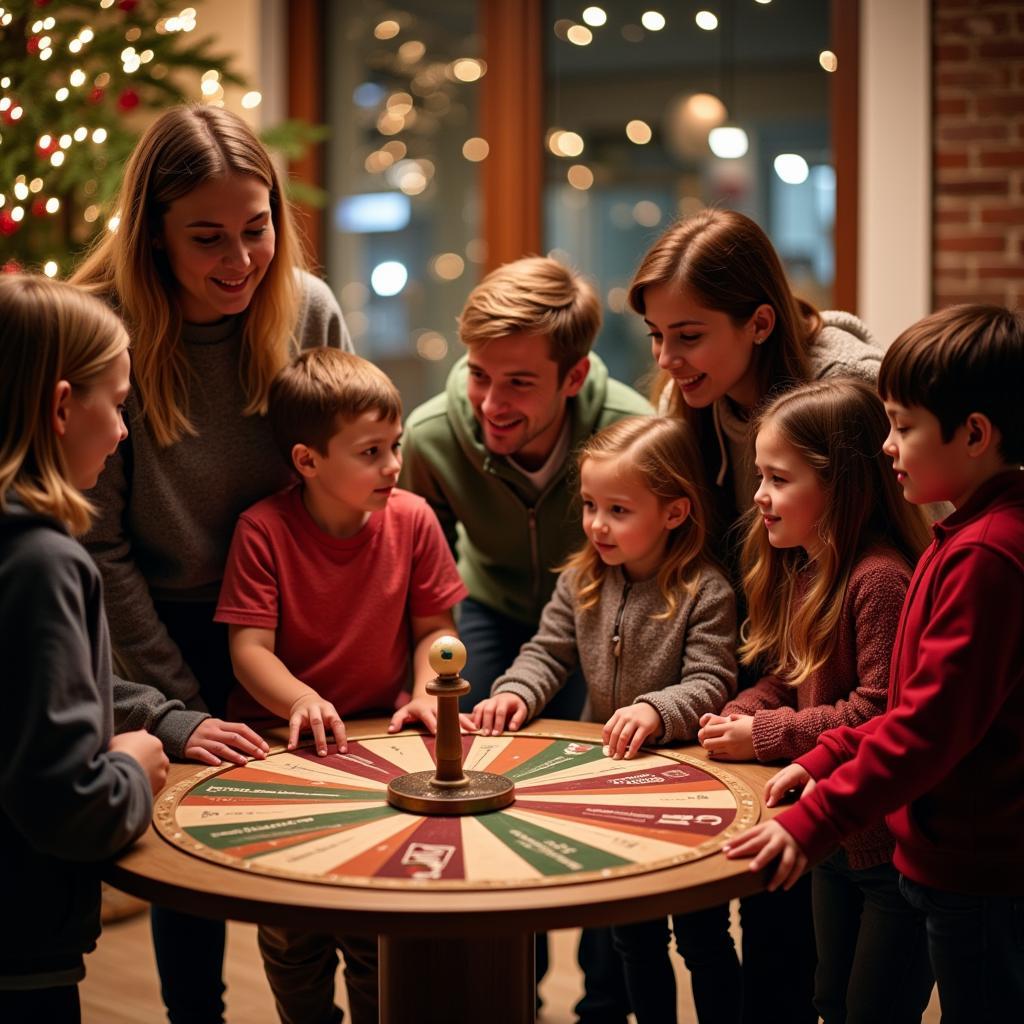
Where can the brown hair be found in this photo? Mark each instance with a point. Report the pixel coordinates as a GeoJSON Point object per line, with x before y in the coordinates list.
{"type": "Point", "coordinates": [961, 360]}
{"type": "Point", "coordinates": [49, 332]}
{"type": "Point", "coordinates": [662, 452]}
{"type": "Point", "coordinates": [321, 387]}
{"type": "Point", "coordinates": [730, 265]}
{"type": "Point", "coordinates": [838, 427]}
{"type": "Point", "coordinates": [534, 295]}
{"type": "Point", "coordinates": [185, 147]}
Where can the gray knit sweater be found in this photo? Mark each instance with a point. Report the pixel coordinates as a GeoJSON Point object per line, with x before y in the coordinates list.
{"type": "Point", "coordinates": [166, 515]}
{"type": "Point", "coordinates": [683, 666]}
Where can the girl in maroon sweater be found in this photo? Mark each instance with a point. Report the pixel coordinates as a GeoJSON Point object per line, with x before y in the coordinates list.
{"type": "Point", "coordinates": [827, 561]}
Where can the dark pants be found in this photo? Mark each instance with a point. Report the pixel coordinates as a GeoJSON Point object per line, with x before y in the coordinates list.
{"type": "Point", "coordinates": [38, 1005]}
{"type": "Point", "coordinates": [707, 949]}
{"type": "Point", "coordinates": [492, 642]}
{"type": "Point", "coordinates": [190, 950]}
{"type": "Point", "coordinates": [872, 952]}
{"type": "Point", "coordinates": [976, 947]}
{"type": "Point", "coordinates": [779, 956]}
{"type": "Point", "coordinates": [301, 967]}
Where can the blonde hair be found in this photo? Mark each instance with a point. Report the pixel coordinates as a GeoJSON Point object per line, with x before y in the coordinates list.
{"type": "Point", "coordinates": [730, 265]}
{"type": "Point", "coordinates": [322, 386]}
{"type": "Point", "coordinates": [662, 452]}
{"type": "Point", "coordinates": [534, 295]}
{"type": "Point", "coordinates": [185, 147]}
{"type": "Point", "coordinates": [49, 332]}
{"type": "Point", "coordinates": [837, 426]}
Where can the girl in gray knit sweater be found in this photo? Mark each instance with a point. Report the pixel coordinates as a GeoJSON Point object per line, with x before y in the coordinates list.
{"type": "Point", "coordinates": [640, 607]}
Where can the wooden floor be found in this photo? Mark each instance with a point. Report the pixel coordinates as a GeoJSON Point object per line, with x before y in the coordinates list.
{"type": "Point", "coordinates": [121, 983]}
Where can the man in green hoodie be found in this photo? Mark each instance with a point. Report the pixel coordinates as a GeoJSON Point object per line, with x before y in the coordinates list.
{"type": "Point", "coordinates": [493, 454]}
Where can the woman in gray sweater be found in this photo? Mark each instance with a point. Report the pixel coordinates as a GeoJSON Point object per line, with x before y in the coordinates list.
{"type": "Point", "coordinates": [206, 270]}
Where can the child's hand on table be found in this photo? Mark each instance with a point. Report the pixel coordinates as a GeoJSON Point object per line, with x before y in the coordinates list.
{"type": "Point", "coordinates": [491, 716]}
{"type": "Point", "coordinates": [214, 741]}
{"type": "Point", "coordinates": [728, 737]}
{"type": "Point", "coordinates": [627, 730]}
{"type": "Point", "coordinates": [765, 843]}
{"type": "Point", "coordinates": [148, 751]}
{"type": "Point", "coordinates": [312, 712]}
{"type": "Point", "coordinates": [793, 776]}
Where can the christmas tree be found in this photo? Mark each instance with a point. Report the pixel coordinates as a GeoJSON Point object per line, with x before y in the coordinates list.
{"type": "Point", "coordinates": [76, 83]}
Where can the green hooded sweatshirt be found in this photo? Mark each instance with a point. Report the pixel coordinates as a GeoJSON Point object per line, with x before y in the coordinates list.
{"type": "Point", "coordinates": [508, 536]}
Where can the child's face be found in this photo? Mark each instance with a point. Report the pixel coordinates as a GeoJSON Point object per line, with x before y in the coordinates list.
{"type": "Point", "coordinates": [706, 354]}
{"type": "Point", "coordinates": [219, 241]}
{"type": "Point", "coordinates": [360, 468]}
{"type": "Point", "coordinates": [789, 495]}
{"type": "Point", "coordinates": [626, 523]}
{"type": "Point", "coordinates": [516, 397]}
{"type": "Point", "coordinates": [92, 423]}
{"type": "Point", "coordinates": [926, 467]}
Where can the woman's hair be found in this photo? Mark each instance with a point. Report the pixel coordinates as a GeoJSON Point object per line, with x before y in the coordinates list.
{"type": "Point", "coordinates": [661, 452]}
{"type": "Point", "coordinates": [49, 332]}
{"type": "Point", "coordinates": [837, 427]}
{"type": "Point", "coordinates": [185, 147]}
{"type": "Point", "coordinates": [727, 263]}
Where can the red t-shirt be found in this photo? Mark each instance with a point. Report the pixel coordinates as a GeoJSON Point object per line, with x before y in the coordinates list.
{"type": "Point", "coordinates": [341, 609]}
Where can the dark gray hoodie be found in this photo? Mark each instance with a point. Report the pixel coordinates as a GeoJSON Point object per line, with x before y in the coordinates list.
{"type": "Point", "coordinates": [66, 802]}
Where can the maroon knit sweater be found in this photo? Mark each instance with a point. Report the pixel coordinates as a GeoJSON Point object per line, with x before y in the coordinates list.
{"type": "Point", "coordinates": [849, 689]}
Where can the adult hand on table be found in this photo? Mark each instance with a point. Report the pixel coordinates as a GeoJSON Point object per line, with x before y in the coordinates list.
{"type": "Point", "coordinates": [148, 751]}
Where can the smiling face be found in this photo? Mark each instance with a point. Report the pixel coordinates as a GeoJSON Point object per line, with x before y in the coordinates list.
{"type": "Point", "coordinates": [355, 476]}
{"type": "Point", "coordinates": [219, 241]}
{"type": "Point", "coordinates": [90, 421]}
{"type": "Point", "coordinates": [789, 494]}
{"type": "Point", "coordinates": [516, 396]}
{"type": "Point", "coordinates": [702, 349]}
{"type": "Point", "coordinates": [625, 522]}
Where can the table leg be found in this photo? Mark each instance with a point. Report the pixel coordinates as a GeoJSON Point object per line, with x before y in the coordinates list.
{"type": "Point", "coordinates": [450, 981]}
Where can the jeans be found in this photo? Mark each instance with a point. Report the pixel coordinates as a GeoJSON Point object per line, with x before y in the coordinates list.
{"type": "Point", "coordinates": [872, 951]}
{"type": "Point", "coordinates": [706, 946]}
{"type": "Point", "coordinates": [190, 950]}
{"type": "Point", "coordinates": [976, 946]}
{"type": "Point", "coordinates": [301, 966]}
{"type": "Point", "coordinates": [492, 642]}
{"type": "Point", "coordinates": [779, 956]}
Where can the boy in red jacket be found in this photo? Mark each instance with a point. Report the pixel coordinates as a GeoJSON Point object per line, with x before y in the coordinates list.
{"type": "Point", "coordinates": [945, 762]}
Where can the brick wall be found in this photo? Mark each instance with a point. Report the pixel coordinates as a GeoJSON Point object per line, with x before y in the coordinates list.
{"type": "Point", "coordinates": [978, 83]}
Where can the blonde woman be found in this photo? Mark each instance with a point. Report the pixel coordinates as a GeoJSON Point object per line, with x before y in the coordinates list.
{"type": "Point", "coordinates": [206, 270]}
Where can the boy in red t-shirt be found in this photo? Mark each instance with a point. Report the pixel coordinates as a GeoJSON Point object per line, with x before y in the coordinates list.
{"type": "Point", "coordinates": [945, 762]}
{"type": "Point", "coordinates": [327, 582]}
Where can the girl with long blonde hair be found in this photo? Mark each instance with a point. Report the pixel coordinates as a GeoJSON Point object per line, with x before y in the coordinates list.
{"type": "Point", "coordinates": [827, 559]}
{"type": "Point", "coordinates": [64, 375]}
{"type": "Point", "coordinates": [206, 268]}
{"type": "Point", "coordinates": [649, 619]}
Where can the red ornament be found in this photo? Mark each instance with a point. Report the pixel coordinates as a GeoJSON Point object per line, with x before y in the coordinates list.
{"type": "Point", "coordinates": [39, 207]}
{"type": "Point", "coordinates": [42, 3]}
{"type": "Point", "coordinates": [11, 267]}
{"type": "Point", "coordinates": [45, 151]}
{"type": "Point", "coordinates": [96, 96]}
{"type": "Point", "coordinates": [127, 5]}
{"type": "Point", "coordinates": [32, 45]}
{"type": "Point", "coordinates": [8, 225]}
{"type": "Point", "coordinates": [128, 100]}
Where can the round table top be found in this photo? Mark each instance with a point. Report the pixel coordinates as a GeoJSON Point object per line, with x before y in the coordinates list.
{"type": "Point", "coordinates": [161, 872]}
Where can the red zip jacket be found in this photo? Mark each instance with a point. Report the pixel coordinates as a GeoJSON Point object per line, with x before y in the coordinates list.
{"type": "Point", "coordinates": [945, 763]}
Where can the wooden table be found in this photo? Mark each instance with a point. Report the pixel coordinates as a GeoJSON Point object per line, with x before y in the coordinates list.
{"type": "Point", "coordinates": [444, 955]}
